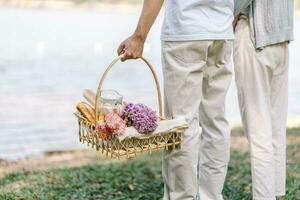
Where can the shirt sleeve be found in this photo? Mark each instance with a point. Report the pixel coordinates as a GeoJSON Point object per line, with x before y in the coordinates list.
{"type": "Point", "coordinates": [239, 5]}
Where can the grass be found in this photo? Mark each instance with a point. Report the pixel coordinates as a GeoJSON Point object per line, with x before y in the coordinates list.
{"type": "Point", "coordinates": [139, 178]}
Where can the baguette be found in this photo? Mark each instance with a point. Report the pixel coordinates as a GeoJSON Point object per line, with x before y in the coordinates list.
{"type": "Point", "coordinates": [86, 111]}
{"type": "Point", "coordinates": [90, 96]}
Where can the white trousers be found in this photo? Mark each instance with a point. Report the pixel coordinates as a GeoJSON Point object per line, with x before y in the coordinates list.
{"type": "Point", "coordinates": [196, 79]}
{"type": "Point", "coordinates": [262, 84]}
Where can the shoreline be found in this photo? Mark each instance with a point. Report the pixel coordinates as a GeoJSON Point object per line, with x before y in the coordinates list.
{"type": "Point", "coordinates": [67, 157]}
{"type": "Point", "coordinates": [88, 156]}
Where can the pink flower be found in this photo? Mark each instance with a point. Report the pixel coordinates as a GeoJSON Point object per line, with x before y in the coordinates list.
{"type": "Point", "coordinates": [113, 124]}
{"type": "Point", "coordinates": [101, 126]}
{"type": "Point", "coordinates": [102, 130]}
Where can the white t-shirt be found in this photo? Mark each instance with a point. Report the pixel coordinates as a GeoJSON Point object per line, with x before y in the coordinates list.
{"type": "Point", "coordinates": [198, 20]}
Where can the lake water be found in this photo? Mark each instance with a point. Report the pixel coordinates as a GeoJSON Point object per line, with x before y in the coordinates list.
{"type": "Point", "coordinates": [48, 57]}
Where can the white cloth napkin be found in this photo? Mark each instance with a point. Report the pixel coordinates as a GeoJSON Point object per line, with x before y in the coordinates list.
{"type": "Point", "coordinates": [164, 126]}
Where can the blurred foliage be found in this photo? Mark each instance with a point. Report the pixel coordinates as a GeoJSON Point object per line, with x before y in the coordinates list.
{"type": "Point", "coordinates": [139, 178]}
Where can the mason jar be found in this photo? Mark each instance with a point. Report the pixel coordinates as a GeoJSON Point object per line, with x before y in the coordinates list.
{"type": "Point", "coordinates": [111, 101]}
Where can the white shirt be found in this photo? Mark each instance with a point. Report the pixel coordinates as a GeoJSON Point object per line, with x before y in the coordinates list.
{"type": "Point", "coordinates": [198, 20]}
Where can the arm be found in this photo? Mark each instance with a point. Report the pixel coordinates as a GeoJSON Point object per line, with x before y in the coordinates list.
{"type": "Point", "coordinates": [133, 46]}
{"type": "Point", "coordinates": [240, 5]}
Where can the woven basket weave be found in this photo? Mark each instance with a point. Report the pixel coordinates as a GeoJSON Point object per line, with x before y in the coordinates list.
{"type": "Point", "coordinates": [113, 147]}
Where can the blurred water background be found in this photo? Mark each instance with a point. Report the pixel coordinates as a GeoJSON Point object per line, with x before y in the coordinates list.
{"type": "Point", "coordinates": [48, 57]}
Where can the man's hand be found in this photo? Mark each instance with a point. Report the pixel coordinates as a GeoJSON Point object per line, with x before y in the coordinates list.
{"type": "Point", "coordinates": [131, 48]}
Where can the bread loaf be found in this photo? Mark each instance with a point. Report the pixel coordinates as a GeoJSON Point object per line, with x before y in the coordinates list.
{"type": "Point", "coordinates": [86, 111]}
{"type": "Point", "coordinates": [90, 96]}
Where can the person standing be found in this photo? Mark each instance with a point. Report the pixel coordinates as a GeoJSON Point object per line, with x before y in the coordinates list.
{"type": "Point", "coordinates": [197, 46]}
{"type": "Point", "coordinates": [261, 59]}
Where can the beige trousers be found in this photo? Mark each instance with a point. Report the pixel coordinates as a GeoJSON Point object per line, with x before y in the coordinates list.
{"type": "Point", "coordinates": [262, 84]}
{"type": "Point", "coordinates": [196, 79]}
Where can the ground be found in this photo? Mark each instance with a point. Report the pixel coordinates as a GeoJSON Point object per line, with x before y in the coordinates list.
{"type": "Point", "coordinates": [86, 175]}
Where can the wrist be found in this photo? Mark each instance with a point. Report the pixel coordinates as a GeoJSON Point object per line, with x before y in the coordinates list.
{"type": "Point", "coordinates": [140, 35]}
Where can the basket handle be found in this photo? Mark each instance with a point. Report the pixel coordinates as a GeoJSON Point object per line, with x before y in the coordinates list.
{"type": "Point", "coordinates": [159, 98]}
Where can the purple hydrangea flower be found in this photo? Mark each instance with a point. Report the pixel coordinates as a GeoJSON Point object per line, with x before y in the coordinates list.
{"type": "Point", "coordinates": [140, 116]}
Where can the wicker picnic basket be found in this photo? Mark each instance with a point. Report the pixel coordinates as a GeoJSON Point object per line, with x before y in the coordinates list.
{"type": "Point", "coordinates": [129, 147]}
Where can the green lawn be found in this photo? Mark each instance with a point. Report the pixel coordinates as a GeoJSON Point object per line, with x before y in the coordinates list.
{"type": "Point", "coordinates": [136, 179]}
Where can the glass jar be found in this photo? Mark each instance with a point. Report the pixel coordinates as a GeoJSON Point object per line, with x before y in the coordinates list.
{"type": "Point", "coordinates": [111, 101]}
